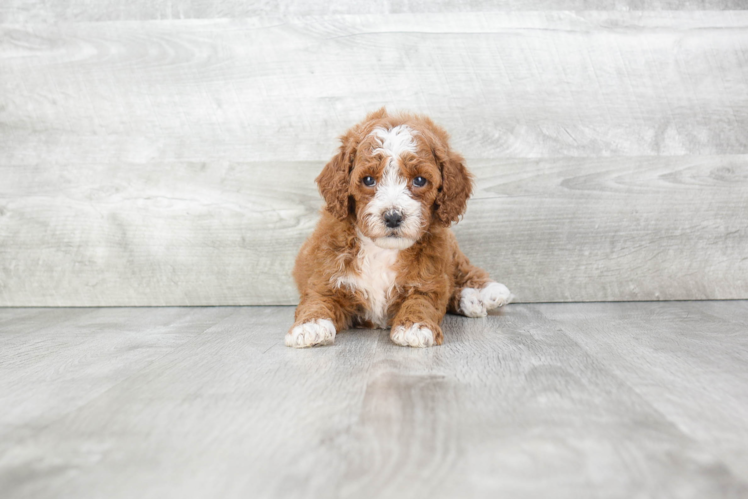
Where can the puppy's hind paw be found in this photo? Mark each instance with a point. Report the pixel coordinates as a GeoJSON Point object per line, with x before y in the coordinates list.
{"type": "Point", "coordinates": [495, 295]}
{"type": "Point", "coordinates": [471, 304]}
{"type": "Point", "coordinates": [316, 332]}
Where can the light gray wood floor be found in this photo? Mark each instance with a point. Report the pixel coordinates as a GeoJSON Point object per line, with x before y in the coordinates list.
{"type": "Point", "coordinates": [596, 399]}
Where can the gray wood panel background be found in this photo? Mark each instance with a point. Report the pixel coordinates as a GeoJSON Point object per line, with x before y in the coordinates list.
{"type": "Point", "coordinates": [165, 155]}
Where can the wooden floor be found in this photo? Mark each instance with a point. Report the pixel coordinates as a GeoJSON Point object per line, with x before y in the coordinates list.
{"type": "Point", "coordinates": [596, 399]}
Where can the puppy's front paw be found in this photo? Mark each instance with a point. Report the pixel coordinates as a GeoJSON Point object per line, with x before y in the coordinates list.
{"type": "Point", "coordinates": [471, 304]}
{"type": "Point", "coordinates": [495, 295]}
{"type": "Point", "coordinates": [317, 332]}
{"type": "Point", "coordinates": [415, 335]}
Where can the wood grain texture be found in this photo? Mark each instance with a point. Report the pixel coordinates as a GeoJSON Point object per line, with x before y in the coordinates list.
{"type": "Point", "coordinates": [57, 360]}
{"type": "Point", "coordinates": [583, 400]}
{"type": "Point", "coordinates": [510, 84]}
{"type": "Point", "coordinates": [170, 162]}
{"type": "Point", "coordinates": [227, 233]}
{"type": "Point", "coordinates": [635, 343]}
{"type": "Point", "coordinates": [49, 11]}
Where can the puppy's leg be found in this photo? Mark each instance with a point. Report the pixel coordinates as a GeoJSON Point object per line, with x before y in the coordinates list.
{"type": "Point", "coordinates": [474, 292]}
{"type": "Point", "coordinates": [417, 322]}
{"type": "Point", "coordinates": [318, 319]}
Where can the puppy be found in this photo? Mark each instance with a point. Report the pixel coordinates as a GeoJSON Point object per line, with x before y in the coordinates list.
{"type": "Point", "coordinates": [383, 254]}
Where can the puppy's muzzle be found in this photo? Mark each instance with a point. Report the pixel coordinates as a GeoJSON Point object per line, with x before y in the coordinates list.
{"type": "Point", "coordinates": [393, 219]}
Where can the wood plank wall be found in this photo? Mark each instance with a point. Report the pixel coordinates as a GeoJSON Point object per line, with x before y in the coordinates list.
{"type": "Point", "coordinates": [164, 154]}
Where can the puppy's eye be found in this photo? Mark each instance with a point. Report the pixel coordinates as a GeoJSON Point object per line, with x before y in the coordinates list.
{"type": "Point", "coordinates": [419, 182]}
{"type": "Point", "coordinates": [369, 181]}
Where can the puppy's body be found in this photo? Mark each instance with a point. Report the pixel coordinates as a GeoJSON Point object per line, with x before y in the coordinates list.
{"type": "Point", "coordinates": [383, 254]}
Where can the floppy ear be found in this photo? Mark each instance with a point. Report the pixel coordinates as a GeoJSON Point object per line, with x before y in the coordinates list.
{"type": "Point", "coordinates": [334, 180]}
{"type": "Point", "coordinates": [456, 188]}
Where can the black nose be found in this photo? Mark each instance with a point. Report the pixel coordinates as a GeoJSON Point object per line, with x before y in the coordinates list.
{"type": "Point", "coordinates": [393, 218]}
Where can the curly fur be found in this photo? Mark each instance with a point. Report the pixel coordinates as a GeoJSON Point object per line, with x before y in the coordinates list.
{"type": "Point", "coordinates": [354, 270]}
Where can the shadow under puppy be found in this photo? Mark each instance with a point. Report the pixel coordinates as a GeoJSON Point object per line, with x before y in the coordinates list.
{"type": "Point", "coordinates": [383, 254]}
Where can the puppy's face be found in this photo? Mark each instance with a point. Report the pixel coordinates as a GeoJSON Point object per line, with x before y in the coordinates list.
{"type": "Point", "coordinates": [394, 177]}
{"type": "Point", "coordinates": [394, 184]}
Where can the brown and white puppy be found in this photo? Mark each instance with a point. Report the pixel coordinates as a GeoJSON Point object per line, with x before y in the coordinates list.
{"type": "Point", "coordinates": [383, 254]}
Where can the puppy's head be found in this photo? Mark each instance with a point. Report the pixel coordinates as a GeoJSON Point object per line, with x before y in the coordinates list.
{"type": "Point", "coordinates": [394, 177]}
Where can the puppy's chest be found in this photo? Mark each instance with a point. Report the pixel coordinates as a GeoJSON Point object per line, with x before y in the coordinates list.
{"type": "Point", "coordinates": [374, 276]}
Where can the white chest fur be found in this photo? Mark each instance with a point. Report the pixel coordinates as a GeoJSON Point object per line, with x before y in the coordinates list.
{"type": "Point", "coordinates": [374, 276]}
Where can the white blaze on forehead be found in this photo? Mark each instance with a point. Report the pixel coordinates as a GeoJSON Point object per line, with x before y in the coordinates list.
{"type": "Point", "coordinates": [395, 141]}
{"type": "Point", "coordinates": [392, 189]}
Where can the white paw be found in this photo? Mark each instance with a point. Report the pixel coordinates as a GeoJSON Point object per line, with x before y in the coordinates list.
{"type": "Point", "coordinates": [317, 332]}
{"type": "Point", "coordinates": [414, 336]}
{"type": "Point", "coordinates": [495, 295]}
{"type": "Point", "coordinates": [471, 304]}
